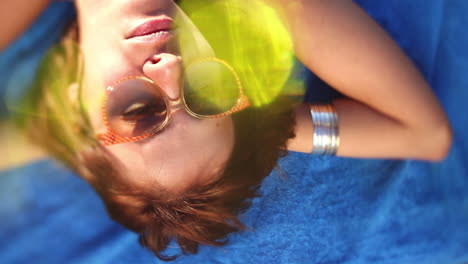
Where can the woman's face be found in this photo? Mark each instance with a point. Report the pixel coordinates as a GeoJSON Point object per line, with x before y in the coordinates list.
{"type": "Point", "coordinates": [189, 150]}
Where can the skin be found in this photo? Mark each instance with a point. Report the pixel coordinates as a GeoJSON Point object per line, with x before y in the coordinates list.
{"type": "Point", "coordinates": [16, 148]}
{"type": "Point", "coordinates": [13, 24]}
{"type": "Point", "coordinates": [390, 111]}
{"type": "Point", "coordinates": [189, 150]}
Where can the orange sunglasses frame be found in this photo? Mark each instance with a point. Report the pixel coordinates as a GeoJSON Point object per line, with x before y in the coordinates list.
{"type": "Point", "coordinates": [110, 137]}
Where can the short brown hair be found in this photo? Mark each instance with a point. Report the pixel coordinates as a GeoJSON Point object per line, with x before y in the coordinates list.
{"type": "Point", "coordinates": [203, 214]}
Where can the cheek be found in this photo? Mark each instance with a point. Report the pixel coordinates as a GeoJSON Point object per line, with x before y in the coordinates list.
{"type": "Point", "coordinates": [94, 84]}
{"type": "Point", "coordinates": [103, 66]}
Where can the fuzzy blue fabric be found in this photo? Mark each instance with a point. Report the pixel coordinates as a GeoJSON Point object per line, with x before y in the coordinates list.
{"type": "Point", "coordinates": [18, 62]}
{"type": "Point", "coordinates": [322, 210]}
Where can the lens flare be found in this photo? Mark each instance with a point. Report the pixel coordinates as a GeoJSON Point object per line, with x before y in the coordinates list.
{"type": "Point", "coordinates": [248, 35]}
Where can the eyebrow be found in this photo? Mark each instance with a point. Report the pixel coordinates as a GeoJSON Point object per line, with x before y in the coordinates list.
{"type": "Point", "coordinates": [143, 141]}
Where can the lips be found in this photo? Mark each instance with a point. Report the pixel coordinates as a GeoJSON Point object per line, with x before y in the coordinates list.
{"type": "Point", "coordinates": [152, 30]}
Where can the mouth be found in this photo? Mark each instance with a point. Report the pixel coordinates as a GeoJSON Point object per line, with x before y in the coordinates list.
{"type": "Point", "coordinates": [153, 30]}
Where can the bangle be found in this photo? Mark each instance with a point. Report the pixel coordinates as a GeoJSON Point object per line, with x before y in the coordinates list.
{"type": "Point", "coordinates": [326, 133]}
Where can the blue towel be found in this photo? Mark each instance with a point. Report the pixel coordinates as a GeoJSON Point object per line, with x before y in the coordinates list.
{"type": "Point", "coordinates": [326, 210]}
{"type": "Point", "coordinates": [19, 62]}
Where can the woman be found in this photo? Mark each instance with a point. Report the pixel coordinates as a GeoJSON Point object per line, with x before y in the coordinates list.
{"type": "Point", "coordinates": [164, 189]}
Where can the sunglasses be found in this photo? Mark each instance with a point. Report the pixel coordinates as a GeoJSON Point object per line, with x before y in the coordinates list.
{"type": "Point", "coordinates": [136, 108]}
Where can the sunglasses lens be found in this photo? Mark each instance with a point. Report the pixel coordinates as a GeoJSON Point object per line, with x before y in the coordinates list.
{"type": "Point", "coordinates": [135, 107]}
{"type": "Point", "coordinates": [211, 88]}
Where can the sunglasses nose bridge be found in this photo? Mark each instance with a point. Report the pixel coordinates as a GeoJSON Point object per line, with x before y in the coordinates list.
{"type": "Point", "coordinates": [175, 105]}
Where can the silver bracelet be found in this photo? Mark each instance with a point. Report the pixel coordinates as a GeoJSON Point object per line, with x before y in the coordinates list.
{"type": "Point", "coordinates": [326, 133]}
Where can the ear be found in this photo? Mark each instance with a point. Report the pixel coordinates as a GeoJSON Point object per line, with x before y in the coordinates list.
{"type": "Point", "coordinates": [73, 93]}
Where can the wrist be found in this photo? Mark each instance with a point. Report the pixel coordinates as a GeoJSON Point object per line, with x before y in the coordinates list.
{"type": "Point", "coordinates": [326, 139]}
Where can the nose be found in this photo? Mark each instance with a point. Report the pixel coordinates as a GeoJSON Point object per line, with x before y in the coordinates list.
{"type": "Point", "coordinates": [166, 71]}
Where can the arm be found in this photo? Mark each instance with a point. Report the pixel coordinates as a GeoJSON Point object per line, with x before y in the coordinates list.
{"type": "Point", "coordinates": [392, 112]}
{"type": "Point", "coordinates": [16, 16]}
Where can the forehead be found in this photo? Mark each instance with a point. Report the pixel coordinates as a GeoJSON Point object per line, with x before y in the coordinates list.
{"type": "Point", "coordinates": [166, 169]}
